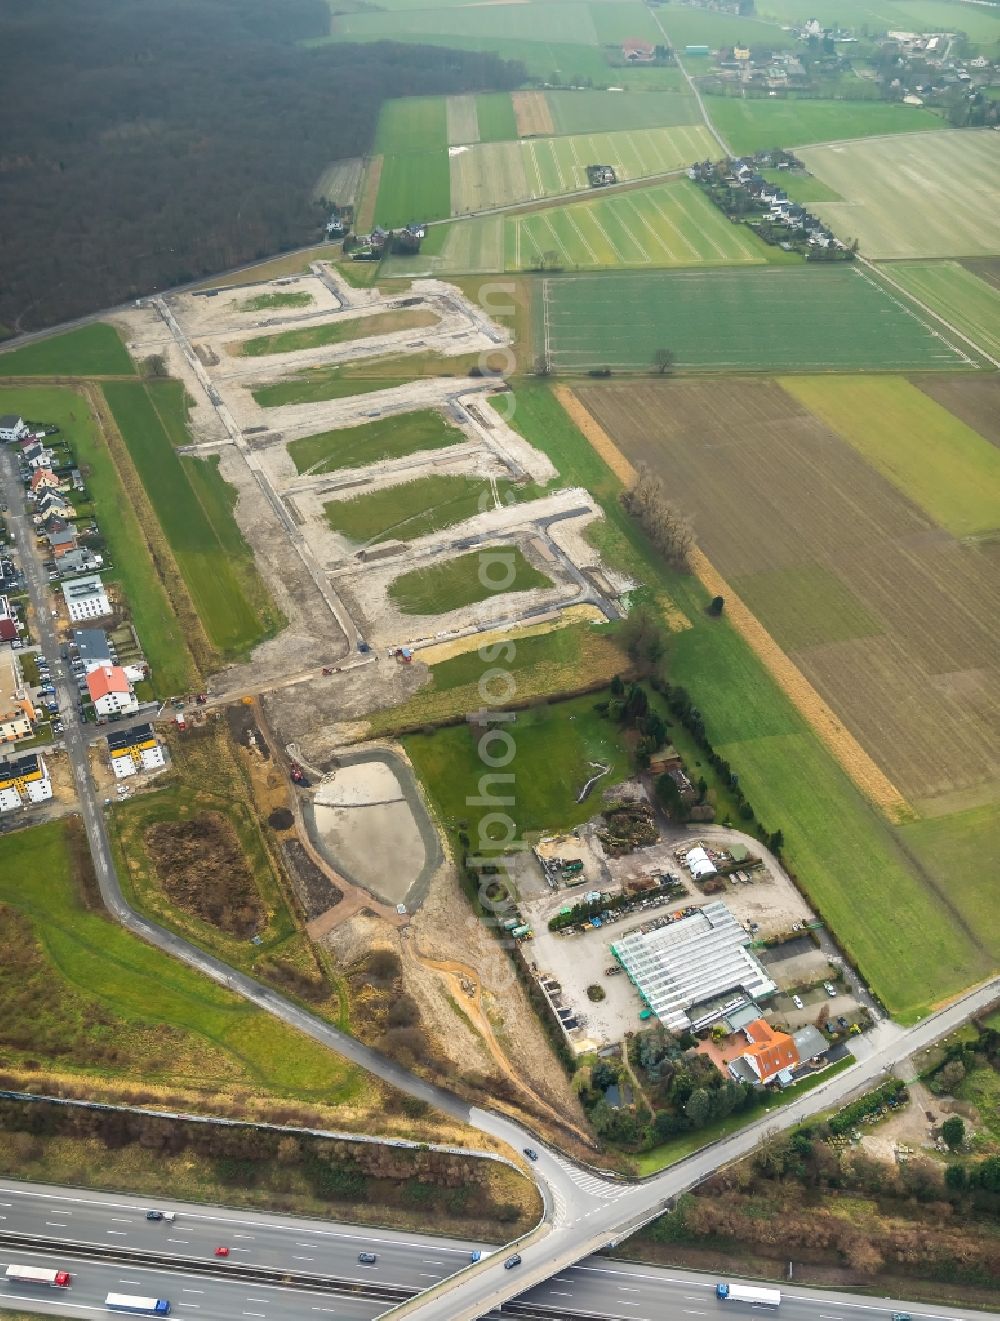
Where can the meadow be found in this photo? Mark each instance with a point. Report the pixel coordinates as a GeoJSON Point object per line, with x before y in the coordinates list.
{"type": "Point", "coordinates": [845, 855]}
{"type": "Point", "coordinates": [454, 583]}
{"type": "Point", "coordinates": [163, 641]}
{"type": "Point", "coordinates": [373, 442]}
{"type": "Point", "coordinates": [95, 350]}
{"type": "Point", "coordinates": [542, 21]}
{"type": "Point", "coordinates": [412, 124]}
{"type": "Point", "coordinates": [941, 464]}
{"type": "Point", "coordinates": [335, 332]}
{"type": "Point", "coordinates": [166, 1019]}
{"type": "Point", "coordinates": [555, 745]}
{"type": "Point", "coordinates": [671, 224]}
{"type": "Point", "coordinates": [195, 509]}
{"type": "Point", "coordinates": [414, 187]}
{"type": "Point", "coordinates": [688, 25]}
{"type": "Point", "coordinates": [893, 190]}
{"type": "Point", "coordinates": [819, 319]}
{"type": "Point", "coordinates": [885, 614]}
{"type": "Point", "coordinates": [968, 303]}
{"type": "Point", "coordinates": [492, 175]}
{"type": "Point", "coordinates": [756, 125]}
{"type": "Point", "coordinates": [414, 509]}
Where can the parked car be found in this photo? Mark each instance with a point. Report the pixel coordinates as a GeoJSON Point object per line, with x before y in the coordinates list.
{"type": "Point", "coordinates": [797, 1001]}
{"type": "Point", "coordinates": [511, 1262]}
{"type": "Point", "coordinates": [830, 989]}
{"type": "Point", "coordinates": [367, 1258]}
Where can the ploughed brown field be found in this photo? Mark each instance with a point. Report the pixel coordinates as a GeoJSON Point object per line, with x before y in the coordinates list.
{"type": "Point", "coordinates": [886, 614]}
{"type": "Point", "coordinates": [973, 399]}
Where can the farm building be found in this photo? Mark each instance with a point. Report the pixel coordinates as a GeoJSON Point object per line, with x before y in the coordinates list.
{"type": "Point", "coordinates": [638, 52]}
{"type": "Point", "coordinates": [694, 971]}
{"type": "Point", "coordinates": [699, 864]}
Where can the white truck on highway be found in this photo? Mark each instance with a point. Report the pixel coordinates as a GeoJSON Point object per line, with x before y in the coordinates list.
{"type": "Point", "coordinates": [130, 1302]}
{"type": "Point", "coordinates": [748, 1293]}
{"type": "Point", "coordinates": [36, 1275]}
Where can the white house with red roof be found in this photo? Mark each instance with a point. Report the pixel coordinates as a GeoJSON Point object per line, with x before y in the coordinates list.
{"type": "Point", "coordinates": [110, 691]}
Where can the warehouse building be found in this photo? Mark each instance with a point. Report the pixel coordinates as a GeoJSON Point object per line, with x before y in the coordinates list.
{"type": "Point", "coordinates": [694, 971]}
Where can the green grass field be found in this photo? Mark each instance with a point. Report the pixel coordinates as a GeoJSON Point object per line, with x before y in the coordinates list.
{"type": "Point", "coordinates": [95, 350]}
{"type": "Point", "coordinates": [93, 961]}
{"type": "Point", "coordinates": [173, 669]}
{"type": "Point", "coordinates": [671, 224]}
{"type": "Point", "coordinates": [979, 22]}
{"type": "Point", "coordinates": [452, 584]}
{"type": "Point", "coordinates": [846, 858]}
{"type": "Point", "coordinates": [171, 402]}
{"type": "Point", "coordinates": [312, 387]}
{"type": "Point", "coordinates": [818, 319]}
{"type": "Point", "coordinates": [264, 302]}
{"type": "Point", "coordinates": [608, 112]}
{"type": "Point", "coordinates": [413, 509]}
{"type": "Point", "coordinates": [415, 187]}
{"type": "Point", "coordinates": [542, 21]}
{"type": "Point", "coordinates": [756, 125]}
{"type": "Point", "coordinates": [617, 20]}
{"type": "Point", "coordinates": [498, 174]}
{"type": "Point", "coordinates": [336, 332]}
{"type": "Point", "coordinates": [802, 187]}
{"type": "Point", "coordinates": [495, 116]}
{"type": "Point", "coordinates": [411, 124]}
{"type": "Point", "coordinates": [195, 509]}
{"type": "Point", "coordinates": [373, 442]}
{"type": "Point", "coordinates": [968, 303]}
{"type": "Point", "coordinates": [554, 748]}
{"type": "Point", "coordinates": [687, 25]}
{"type": "Point", "coordinates": [891, 189]}
{"type": "Point", "coordinates": [944, 466]}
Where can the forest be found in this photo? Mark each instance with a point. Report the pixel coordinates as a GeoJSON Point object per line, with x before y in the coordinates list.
{"type": "Point", "coordinates": [145, 145]}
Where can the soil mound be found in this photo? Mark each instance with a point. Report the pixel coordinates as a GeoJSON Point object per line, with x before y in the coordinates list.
{"type": "Point", "coordinates": [201, 866]}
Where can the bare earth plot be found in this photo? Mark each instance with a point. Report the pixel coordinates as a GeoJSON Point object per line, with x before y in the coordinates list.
{"type": "Point", "coordinates": [532, 114]}
{"type": "Point", "coordinates": [463, 122]}
{"type": "Point", "coordinates": [339, 182]}
{"type": "Point", "coordinates": [974, 399]}
{"type": "Point", "coordinates": [914, 195]}
{"type": "Point", "coordinates": [886, 614]}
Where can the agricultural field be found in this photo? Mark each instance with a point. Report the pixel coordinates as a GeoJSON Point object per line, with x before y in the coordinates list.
{"type": "Point", "coordinates": [88, 991]}
{"type": "Point", "coordinates": [801, 186]}
{"type": "Point", "coordinates": [95, 350]}
{"type": "Point", "coordinates": [454, 583]}
{"type": "Point", "coordinates": [171, 662]}
{"type": "Point", "coordinates": [845, 855]}
{"type": "Point", "coordinates": [195, 509]}
{"type": "Point", "coordinates": [617, 20]}
{"type": "Point", "coordinates": [887, 615]}
{"type": "Point", "coordinates": [714, 319]}
{"type": "Point", "coordinates": [414, 187]}
{"type": "Point", "coordinates": [411, 125]}
{"type": "Point", "coordinates": [974, 399]}
{"type": "Point", "coordinates": [373, 442]}
{"type": "Point", "coordinates": [495, 117]}
{"type": "Point", "coordinates": [492, 175]}
{"type": "Point", "coordinates": [892, 190]}
{"type": "Point", "coordinates": [948, 288]}
{"type": "Point", "coordinates": [414, 509]}
{"type": "Point", "coordinates": [757, 125]}
{"type": "Point", "coordinates": [462, 120]}
{"type": "Point", "coordinates": [671, 224]}
{"type": "Point", "coordinates": [935, 460]}
{"type": "Point", "coordinates": [687, 25]}
{"type": "Point", "coordinates": [340, 181]}
{"type": "Point", "coordinates": [336, 332]}
{"type": "Point", "coordinates": [981, 25]}
{"type": "Point", "coordinates": [609, 112]}
{"type": "Point", "coordinates": [543, 21]}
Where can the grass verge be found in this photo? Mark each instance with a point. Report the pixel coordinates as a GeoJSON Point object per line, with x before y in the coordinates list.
{"type": "Point", "coordinates": [337, 332]}
{"type": "Point", "coordinates": [414, 509]}
{"type": "Point", "coordinates": [374, 442]}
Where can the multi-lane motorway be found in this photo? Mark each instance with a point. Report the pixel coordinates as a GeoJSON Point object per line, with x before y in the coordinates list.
{"type": "Point", "coordinates": [85, 1222]}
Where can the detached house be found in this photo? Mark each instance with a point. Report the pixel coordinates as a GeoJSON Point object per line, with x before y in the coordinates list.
{"type": "Point", "coordinates": [37, 456]}
{"type": "Point", "coordinates": [770, 1054]}
{"type": "Point", "coordinates": [12, 427]}
{"type": "Point", "coordinates": [110, 691]}
{"type": "Point", "coordinates": [86, 598]}
{"type": "Point", "coordinates": [43, 478]}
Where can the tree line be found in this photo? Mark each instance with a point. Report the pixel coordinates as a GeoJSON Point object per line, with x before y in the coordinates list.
{"type": "Point", "coordinates": [147, 145]}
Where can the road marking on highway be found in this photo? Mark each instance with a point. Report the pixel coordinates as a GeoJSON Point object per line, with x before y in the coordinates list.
{"type": "Point", "coordinates": [122, 1233]}
{"type": "Point", "coordinates": [192, 1291]}
{"type": "Point", "coordinates": [138, 1282]}
{"type": "Point", "coordinates": [332, 1311]}
{"type": "Point", "coordinates": [303, 1258]}
{"type": "Point", "coordinates": [121, 1220]}
{"type": "Point", "coordinates": [432, 1261]}
{"type": "Point", "coordinates": [428, 1275]}
{"type": "Point", "coordinates": [189, 1304]}
{"type": "Point", "coordinates": [243, 1236]}
{"type": "Point", "coordinates": [690, 1311]}
{"type": "Point", "coordinates": [555, 1293]}
{"type": "Point", "coordinates": [178, 1240]}
{"type": "Point", "coordinates": [255, 1314]}
{"type": "Point", "coordinates": [626, 1289]}
{"type": "Point", "coordinates": [57, 1224]}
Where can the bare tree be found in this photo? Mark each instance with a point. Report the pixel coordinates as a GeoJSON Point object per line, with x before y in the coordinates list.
{"type": "Point", "coordinates": [664, 360]}
{"type": "Point", "coordinates": [670, 532]}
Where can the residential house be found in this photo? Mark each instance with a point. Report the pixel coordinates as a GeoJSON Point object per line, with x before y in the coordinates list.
{"type": "Point", "coordinates": [133, 750]}
{"type": "Point", "coordinates": [86, 598]}
{"type": "Point", "coordinates": [61, 540]}
{"type": "Point", "coordinates": [12, 427]}
{"type": "Point", "coordinates": [24, 780]}
{"type": "Point", "coordinates": [79, 560]}
{"type": "Point", "coordinates": [111, 692]}
{"type": "Point", "coordinates": [771, 1054]}
{"type": "Point", "coordinates": [42, 478]}
{"type": "Point", "coordinates": [17, 722]}
{"type": "Point", "coordinates": [52, 504]}
{"type": "Point", "coordinates": [94, 649]}
{"type": "Point", "coordinates": [36, 455]}
{"type": "Point", "coordinates": [10, 628]}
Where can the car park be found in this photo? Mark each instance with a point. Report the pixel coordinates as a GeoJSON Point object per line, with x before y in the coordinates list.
{"type": "Point", "coordinates": [367, 1258]}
